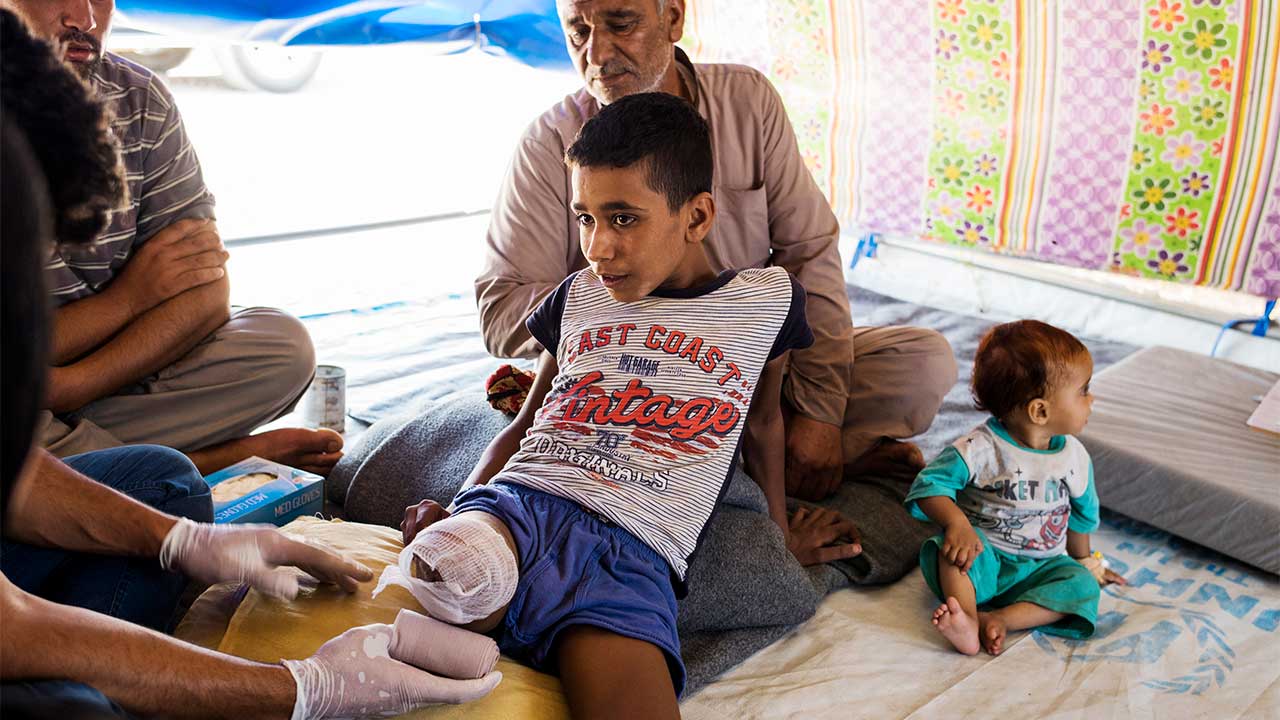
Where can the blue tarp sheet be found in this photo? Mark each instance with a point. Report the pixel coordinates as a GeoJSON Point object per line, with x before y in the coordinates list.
{"type": "Point", "coordinates": [524, 30]}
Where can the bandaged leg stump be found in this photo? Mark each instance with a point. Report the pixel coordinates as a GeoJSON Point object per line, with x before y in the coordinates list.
{"type": "Point", "coordinates": [460, 569]}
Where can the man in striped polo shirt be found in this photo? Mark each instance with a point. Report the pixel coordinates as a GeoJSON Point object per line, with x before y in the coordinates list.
{"type": "Point", "coordinates": [145, 348]}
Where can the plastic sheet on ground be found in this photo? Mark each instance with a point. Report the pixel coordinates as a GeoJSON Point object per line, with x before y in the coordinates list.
{"type": "Point", "coordinates": [1193, 636]}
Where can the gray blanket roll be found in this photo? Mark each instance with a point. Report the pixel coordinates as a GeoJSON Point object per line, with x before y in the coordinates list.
{"type": "Point", "coordinates": [745, 589]}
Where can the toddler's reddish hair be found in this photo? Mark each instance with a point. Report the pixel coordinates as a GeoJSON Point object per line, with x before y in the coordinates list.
{"type": "Point", "coordinates": [1018, 362]}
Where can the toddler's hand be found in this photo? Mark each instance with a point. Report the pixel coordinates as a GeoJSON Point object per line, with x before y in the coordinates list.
{"type": "Point", "coordinates": [960, 545]}
{"type": "Point", "coordinates": [1103, 574]}
{"type": "Point", "coordinates": [1111, 578]}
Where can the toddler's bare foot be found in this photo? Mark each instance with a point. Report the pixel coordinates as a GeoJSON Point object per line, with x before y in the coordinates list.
{"type": "Point", "coordinates": [958, 628]}
{"type": "Point", "coordinates": [991, 630]}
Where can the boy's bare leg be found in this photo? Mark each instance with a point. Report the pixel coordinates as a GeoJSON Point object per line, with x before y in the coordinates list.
{"type": "Point", "coordinates": [606, 675]}
{"type": "Point", "coordinates": [957, 618]}
{"type": "Point", "coordinates": [996, 624]}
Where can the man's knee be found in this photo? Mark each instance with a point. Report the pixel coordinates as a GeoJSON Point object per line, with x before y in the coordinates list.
{"type": "Point", "coordinates": [941, 367]}
{"type": "Point", "coordinates": [936, 374]}
{"type": "Point", "coordinates": [159, 476]}
{"type": "Point", "coordinates": [186, 494]}
{"type": "Point", "coordinates": [283, 355]}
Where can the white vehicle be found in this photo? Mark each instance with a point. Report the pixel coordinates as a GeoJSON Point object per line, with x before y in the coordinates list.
{"type": "Point", "coordinates": [267, 67]}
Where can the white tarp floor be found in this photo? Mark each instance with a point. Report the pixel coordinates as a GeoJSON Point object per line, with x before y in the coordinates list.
{"type": "Point", "coordinates": [1194, 635]}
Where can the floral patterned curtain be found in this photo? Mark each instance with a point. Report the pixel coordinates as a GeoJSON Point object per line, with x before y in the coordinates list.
{"type": "Point", "coordinates": [1133, 136]}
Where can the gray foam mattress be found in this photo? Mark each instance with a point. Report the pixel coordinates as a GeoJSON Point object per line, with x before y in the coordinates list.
{"type": "Point", "coordinates": [1170, 447]}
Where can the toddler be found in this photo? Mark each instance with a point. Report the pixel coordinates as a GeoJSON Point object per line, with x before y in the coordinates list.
{"type": "Point", "coordinates": [1015, 497]}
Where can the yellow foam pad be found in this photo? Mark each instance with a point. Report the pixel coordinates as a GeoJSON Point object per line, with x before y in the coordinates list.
{"type": "Point", "coordinates": [268, 630]}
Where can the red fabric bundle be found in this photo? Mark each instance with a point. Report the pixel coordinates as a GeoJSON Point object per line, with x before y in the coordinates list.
{"type": "Point", "coordinates": [508, 387]}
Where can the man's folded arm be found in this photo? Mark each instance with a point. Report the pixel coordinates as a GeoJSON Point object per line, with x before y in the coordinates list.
{"type": "Point", "coordinates": [157, 339]}
{"type": "Point", "coordinates": [84, 325]}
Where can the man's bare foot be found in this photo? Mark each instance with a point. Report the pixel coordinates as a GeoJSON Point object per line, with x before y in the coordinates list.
{"type": "Point", "coordinates": [889, 457]}
{"type": "Point", "coordinates": [991, 631]}
{"type": "Point", "coordinates": [958, 628]}
{"type": "Point", "coordinates": [315, 451]}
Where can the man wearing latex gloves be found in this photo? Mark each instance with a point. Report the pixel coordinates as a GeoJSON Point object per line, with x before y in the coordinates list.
{"type": "Point", "coordinates": [92, 569]}
{"type": "Point", "coordinates": [856, 394]}
{"type": "Point", "coordinates": [96, 662]}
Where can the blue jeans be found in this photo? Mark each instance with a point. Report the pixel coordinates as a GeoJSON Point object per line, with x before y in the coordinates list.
{"type": "Point", "coordinates": [56, 699]}
{"type": "Point", "coordinates": [132, 589]}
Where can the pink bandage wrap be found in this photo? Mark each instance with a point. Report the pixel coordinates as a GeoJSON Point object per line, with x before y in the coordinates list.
{"type": "Point", "coordinates": [442, 649]}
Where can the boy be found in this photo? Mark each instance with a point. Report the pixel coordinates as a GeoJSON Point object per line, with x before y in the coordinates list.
{"type": "Point", "coordinates": [575, 530]}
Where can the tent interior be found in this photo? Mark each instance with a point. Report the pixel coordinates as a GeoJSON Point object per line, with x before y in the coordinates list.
{"type": "Point", "coordinates": [987, 161]}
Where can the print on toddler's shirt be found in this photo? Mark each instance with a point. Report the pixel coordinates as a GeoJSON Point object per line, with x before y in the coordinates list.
{"type": "Point", "coordinates": [1010, 525]}
{"type": "Point", "coordinates": [1023, 499]}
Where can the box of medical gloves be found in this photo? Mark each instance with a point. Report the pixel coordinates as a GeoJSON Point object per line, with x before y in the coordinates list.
{"type": "Point", "coordinates": [261, 491]}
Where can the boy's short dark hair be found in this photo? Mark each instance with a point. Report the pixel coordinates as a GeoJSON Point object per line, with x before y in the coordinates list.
{"type": "Point", "coordinates": [660, 129]}
{"type": "Point", "coordinates": [1018, 362]}
{"type": "Point", "coordinates": [67, 129]}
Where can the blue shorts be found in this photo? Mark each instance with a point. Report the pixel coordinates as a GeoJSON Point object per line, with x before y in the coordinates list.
{"type": "Point", "coordinates": [577, 568]}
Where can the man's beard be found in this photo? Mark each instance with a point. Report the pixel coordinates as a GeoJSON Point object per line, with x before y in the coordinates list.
{"type": "Point", "coordinates": [662, 75]}
{"type": "Point", "coordinates": [653, 85]}
{"type": "Point", "coordinates": [84, 69]}
{"type": "Point", "coordinates": [656, 85]}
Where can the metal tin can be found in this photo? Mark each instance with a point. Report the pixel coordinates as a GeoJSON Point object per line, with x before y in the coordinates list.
{"type": "Point", "coordinates": [325, 404]}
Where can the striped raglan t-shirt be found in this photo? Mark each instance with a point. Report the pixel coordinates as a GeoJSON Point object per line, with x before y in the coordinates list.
{"type": "Point", "coordinates": [163, 175]}
{"type": "Point", "coordinates": [642, 424]}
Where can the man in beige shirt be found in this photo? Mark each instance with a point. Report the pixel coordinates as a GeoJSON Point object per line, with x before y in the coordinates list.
{"type": "Point", "coordinates": [845, 417]}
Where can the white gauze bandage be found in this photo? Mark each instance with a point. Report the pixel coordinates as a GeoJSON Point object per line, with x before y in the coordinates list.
{"type": "Point", "coordinates": [477, 570]}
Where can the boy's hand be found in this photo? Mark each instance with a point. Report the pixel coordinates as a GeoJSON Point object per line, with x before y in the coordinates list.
{"type": "Point", "coordinates": [420, 517]}
{"type": "Point", "coordinates": [811, 532]}
{"type": "Point", "coordinates": [960, 545]}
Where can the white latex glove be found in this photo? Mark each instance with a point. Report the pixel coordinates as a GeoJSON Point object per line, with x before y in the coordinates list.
{"type": "Point", "coordinates": [254, 554]}
{"type": "Point", "coordinates": [353, 675]}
